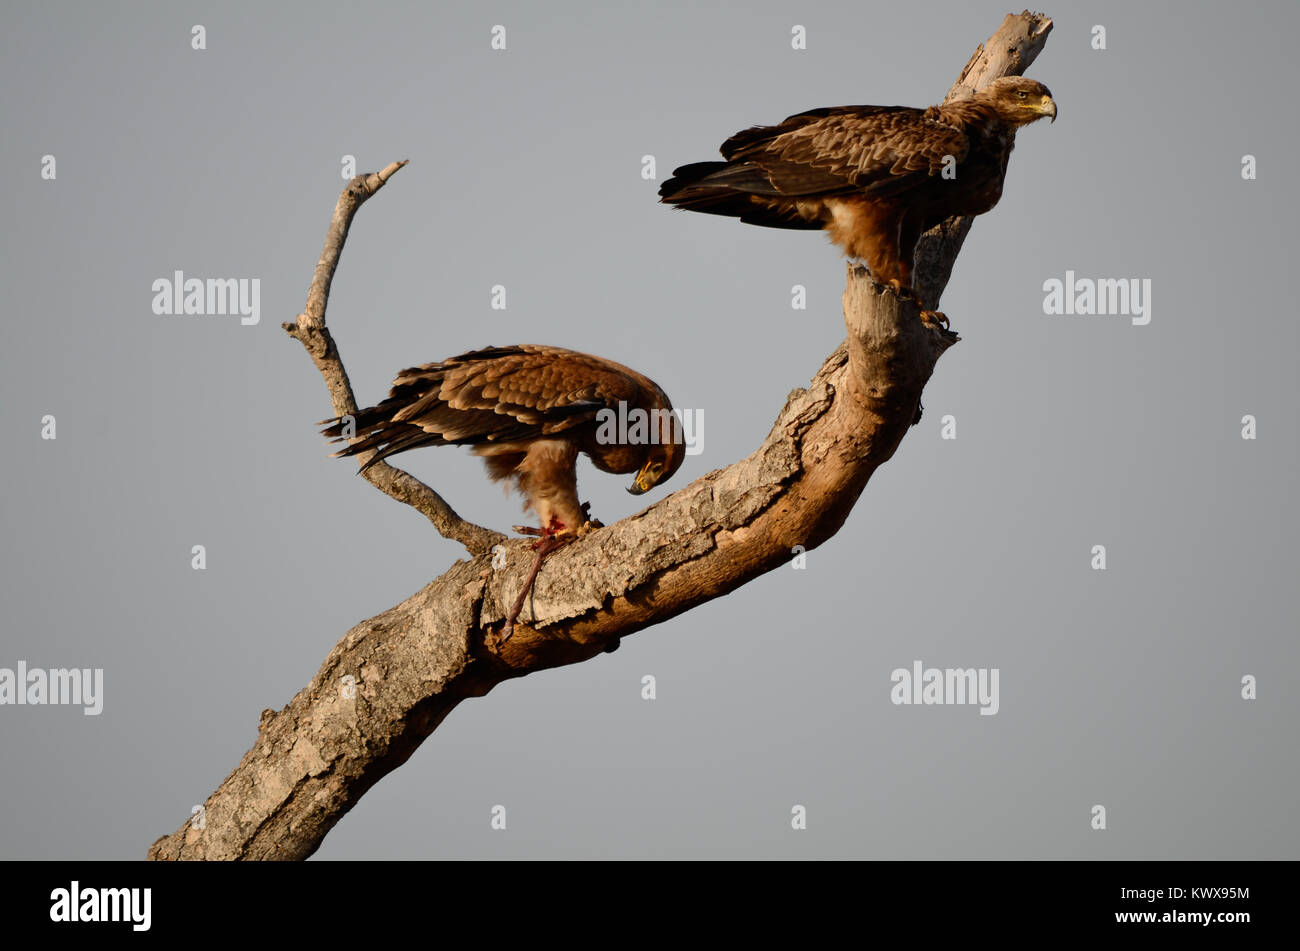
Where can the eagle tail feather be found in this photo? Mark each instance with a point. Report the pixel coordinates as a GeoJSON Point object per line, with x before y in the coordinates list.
{"type": "Point", "coordinates": [398, 437]}
{"type": "Point", "coordinates": [733, 190]}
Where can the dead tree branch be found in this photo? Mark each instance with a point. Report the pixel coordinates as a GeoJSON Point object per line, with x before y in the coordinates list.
{"type": "Point", "coordinates": [311, 331]}
{"type": "Point", "coordinates": [393, 678]}
{"type": "Point", "coordinates": [1008, 52]}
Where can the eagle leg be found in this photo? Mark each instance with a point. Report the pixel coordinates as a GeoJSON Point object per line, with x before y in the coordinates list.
{"type": "Point", "coordinates": [934, 317]}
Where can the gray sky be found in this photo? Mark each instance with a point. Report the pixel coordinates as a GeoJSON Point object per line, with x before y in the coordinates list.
{"type": "Point", "coordinates": [1119, 687]}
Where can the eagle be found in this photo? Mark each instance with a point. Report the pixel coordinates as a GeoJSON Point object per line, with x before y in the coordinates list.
{"type": "Point", "coordinates": [873, 177]}
{"type": "Point", "coordinates": [529, 411]}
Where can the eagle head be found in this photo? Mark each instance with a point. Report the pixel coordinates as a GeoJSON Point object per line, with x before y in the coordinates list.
{"type": "Point", "coordinates": [664, 454]}
{"type": "Point", "coordinates": [1020, 101]}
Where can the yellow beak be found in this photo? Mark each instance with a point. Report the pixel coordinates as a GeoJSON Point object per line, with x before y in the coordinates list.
{"type": "Point", "coordinates": [1048, 107]}
{"type": "Point", "coordinates": [642, 483]}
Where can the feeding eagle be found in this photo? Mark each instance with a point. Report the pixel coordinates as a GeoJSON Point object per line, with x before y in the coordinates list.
{"type": "Point", "coordinates": [528, 411]}
{"type": "Point", "coordinates": [874, 177]}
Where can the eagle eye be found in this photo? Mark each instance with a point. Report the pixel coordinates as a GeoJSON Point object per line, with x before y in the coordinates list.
{"type": "Point", "coordinates": [1020, 94]}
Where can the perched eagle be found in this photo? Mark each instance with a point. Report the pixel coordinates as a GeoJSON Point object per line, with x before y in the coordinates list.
{"type": "Point", "coordinates": [528, 411]}
{"type": "Point", "coordinates": [874, 177]}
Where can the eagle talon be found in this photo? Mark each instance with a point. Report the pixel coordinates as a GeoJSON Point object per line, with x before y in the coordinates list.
{"type": "Point", "coordinates": [550, 541]}
{"type": "Point", "coordinates": [934, 317]}
{"type": "Point", "coordinates": [553, 529]}
{"type": "Point", "coordinates": [903, 291]}
{"type": "Point", "coordinates": [589, 524]}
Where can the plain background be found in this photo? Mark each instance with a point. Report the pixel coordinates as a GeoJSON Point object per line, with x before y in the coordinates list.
{"type": "Point", "coordinates": [1118, 687]}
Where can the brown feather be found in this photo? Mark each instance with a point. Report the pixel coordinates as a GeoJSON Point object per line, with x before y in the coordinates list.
{"type": "Point", "coordinates": [871, 176]}
{"type": "Point", "coordinates": [528, 410]}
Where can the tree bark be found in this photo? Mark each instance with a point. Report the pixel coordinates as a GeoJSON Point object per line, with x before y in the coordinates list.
{"type": "Point", "coordinates": [393, 678]}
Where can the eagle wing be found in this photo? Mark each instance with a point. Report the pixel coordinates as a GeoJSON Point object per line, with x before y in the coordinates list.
{"type": "Point", "coordinates": [878, 151]}
{"type": "Point", "coordinates": [499, 394]}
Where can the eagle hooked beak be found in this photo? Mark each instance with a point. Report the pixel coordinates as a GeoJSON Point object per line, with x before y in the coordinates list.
{"type": "Point", "coordinates": [644, 481]}
{"type": "Point", "coordinates": [1048, 107]}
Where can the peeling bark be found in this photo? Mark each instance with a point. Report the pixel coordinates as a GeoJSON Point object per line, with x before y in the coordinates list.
{"type": "Point", "coordinates": [393, 678]}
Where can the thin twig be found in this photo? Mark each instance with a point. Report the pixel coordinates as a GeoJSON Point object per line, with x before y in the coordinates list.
{"type": "Point", "coordinates": [311, 331]}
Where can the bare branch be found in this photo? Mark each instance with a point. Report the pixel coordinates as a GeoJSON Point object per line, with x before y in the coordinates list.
{"type": "Point", "coordinates": [1010, 51]}
{"type": "Point", "coordinates": [392, 679]}
{"type": "Point", "coordinates": [310, 329]}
